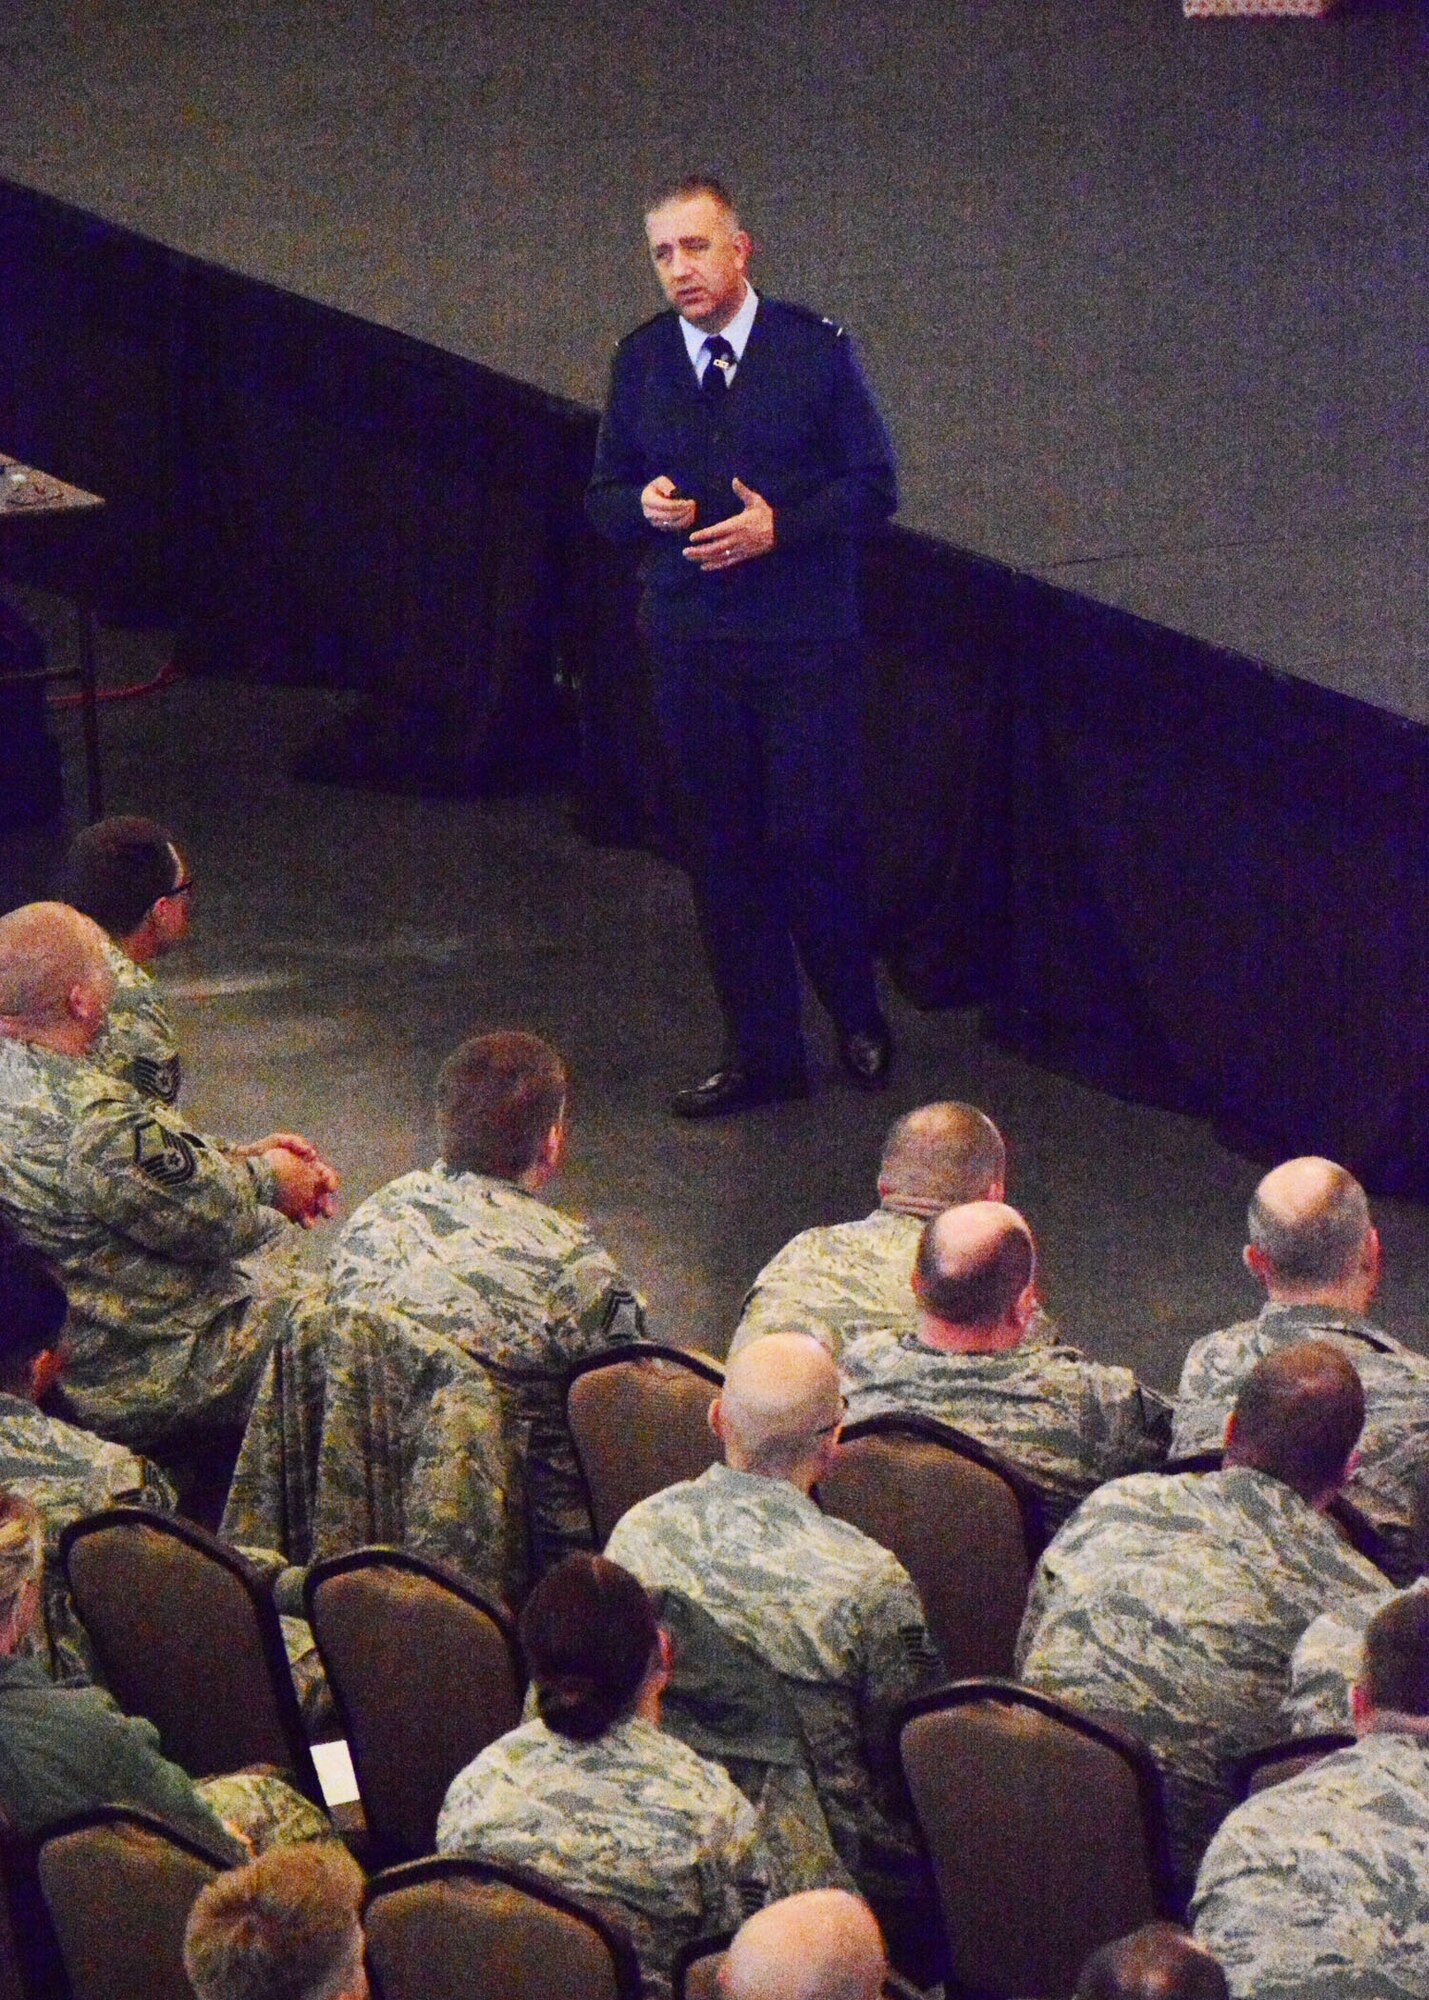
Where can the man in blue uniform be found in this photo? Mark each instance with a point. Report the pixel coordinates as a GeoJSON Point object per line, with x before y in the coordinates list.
{"type": "Point", "coordinates": [742, 450]}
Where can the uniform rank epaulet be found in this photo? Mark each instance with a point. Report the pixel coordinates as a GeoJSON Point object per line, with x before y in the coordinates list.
{"type": "Point", "coordinates": [815, 318]}
{"type": "Point", "coordinates": [645, 326]}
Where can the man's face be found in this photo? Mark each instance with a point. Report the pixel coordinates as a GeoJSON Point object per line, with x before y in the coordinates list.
{"type": "Point", "coordinates": [699, 257]}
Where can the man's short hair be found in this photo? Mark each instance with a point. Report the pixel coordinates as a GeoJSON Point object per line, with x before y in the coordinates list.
{"type": "Point", "coordinates": [46, 950]}
{"type": "Point", "coordinates": [984, 1287]}
{"type": "Point", "coordinates": [1298, 1416]}
{"type": "Point", "coordinates": [943, 1154]}
{"type": "Point", "coordinates": [1158, 1962]}
{"type": "Point", "coordinates": [118, 869]}
{"type": "Point", "coordinates": [1395, 1667]}
{"type": "Point", "coordinates": [689, 188]}
{"type": "Point", "coordinates": [283, 1928]}
{"type": "Point", "coordinates": [33, 1307]}
{"type": "Point", "coordinates": [1320, 1244]}
{"type": "Point", "coordinates": [498, 1096]}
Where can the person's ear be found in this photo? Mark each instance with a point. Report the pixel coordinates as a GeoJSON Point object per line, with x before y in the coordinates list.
{"type": "Point", "coordinates": [1256, 1263]}
{"type": "Point", "coordinates": [715, 1419]}
{"type": "Point", "coordinates": [1024, 1307]}
{"type": "Point", "coordinates": [1229, 1439]}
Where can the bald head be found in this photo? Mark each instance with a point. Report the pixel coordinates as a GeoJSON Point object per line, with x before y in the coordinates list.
{"type": "Point", "coordinates": [1158, 1962]}
{"type": "Point", "coordinates": [1309, 1226]}
{"type": "Point", "coordinates": [1298, 1417]}
{"type": "Point", "coordinates": [781, 1399]}
{"type": "Point", "coordinates": [940, 1155]}
{"type": "Point", "coordinates": [822, 1945]}
{"type": "Point", "coordinates": [974, 1265]}
{"type": "Point", "coordinates": [50, 956]}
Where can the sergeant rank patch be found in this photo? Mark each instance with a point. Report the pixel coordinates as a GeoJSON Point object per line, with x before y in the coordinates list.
{"type": "Point", "coordinates": [165, 1156]}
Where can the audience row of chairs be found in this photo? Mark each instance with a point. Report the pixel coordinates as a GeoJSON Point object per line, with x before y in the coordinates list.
{"type": "Point", "coordinates": [1044, 1828]}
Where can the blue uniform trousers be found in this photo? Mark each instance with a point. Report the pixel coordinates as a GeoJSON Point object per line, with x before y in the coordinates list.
{"type": "Point", "coordinates": [764, 743]}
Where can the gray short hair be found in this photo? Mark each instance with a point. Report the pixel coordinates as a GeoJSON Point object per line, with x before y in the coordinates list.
{"type": "Point", "coordinates": [1318, 1245]}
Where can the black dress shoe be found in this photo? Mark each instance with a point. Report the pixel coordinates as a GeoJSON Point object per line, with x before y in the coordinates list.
{"type": "Point", "coordinates": [735, 1088]}
{"type": "Point", "coordinates": [866, 1054]}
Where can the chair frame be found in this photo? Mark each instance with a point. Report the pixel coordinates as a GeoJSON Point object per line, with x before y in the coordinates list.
{"type": "Point", "coordinates": [1012, 1694]}
{"type": "Point", "coordinates": [299, 1763]}
{"type": "Point", "coordinates": [120, 1816]}
{"type": "Point", "coordinates": [459, 1867]}
{"type": "Point", "coordinates": [377, 1555]}
{"type": "Point", "coordinates": [702, 1365]}
{"type": "Point", "coordinates": [1322, 1743]}
{"type": "Point", "coordinates": [931, 1430]}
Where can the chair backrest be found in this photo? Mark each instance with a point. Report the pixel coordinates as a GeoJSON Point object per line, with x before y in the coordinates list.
{"type": "Point", "coordinates": [119, 1886]}
{"type": "Point", "coordinates": [450, 1929]}
{"type": "Point", "coordinates": [1046, 1832]}
{"type": "Point", "coordinates": [425, 1672]}
{"type": "Point", "coordinates": [639, 1419]}
{"type": "Point", "coordinates": [186, 1633]}
{"type": "Point", "coordinates": [955, 1519]}
{"type": "Point", "coordinates": [1278, 1761]}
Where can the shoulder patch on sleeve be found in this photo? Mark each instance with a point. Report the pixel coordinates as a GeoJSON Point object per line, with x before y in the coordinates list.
{"type": "Point", "coordinates": [166, 1156]}
{"type": "Point", "coordinates": [152, 1078]}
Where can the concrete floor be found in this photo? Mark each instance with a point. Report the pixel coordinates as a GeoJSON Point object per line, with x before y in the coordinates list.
{"type": "Point", "coordinates": [343, 942]}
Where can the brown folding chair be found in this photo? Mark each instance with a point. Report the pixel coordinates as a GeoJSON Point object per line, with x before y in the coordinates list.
{"type": "Point", "coordinates": [639, 1419]}
{"type": "Point", "coordinates": [425, 1672]}
{"type": "Point", "coordinates": [119, 1886]}
{"type": "Point", "coordinates": [1046, 1832]}
{"type": "Point", "coordinates": [186, 1633]}
{"type": "Point", "coordinates": [451, 1929]}
{"type": "Point", "coordinates": [1278, 1761]}
{"type": "Point", "coordinates": [962, 1523]}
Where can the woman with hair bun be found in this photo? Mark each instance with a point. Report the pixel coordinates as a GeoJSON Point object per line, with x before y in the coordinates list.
{"type": "Point", "coordinates": [593, 1794]}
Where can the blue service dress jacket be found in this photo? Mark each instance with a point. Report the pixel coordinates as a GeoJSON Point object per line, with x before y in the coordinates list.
{"type": "Point", "coordinates": [798, 424]}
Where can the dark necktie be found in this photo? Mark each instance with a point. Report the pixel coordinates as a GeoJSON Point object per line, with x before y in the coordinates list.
{"type": "Point", "coordinates": [714, 381]}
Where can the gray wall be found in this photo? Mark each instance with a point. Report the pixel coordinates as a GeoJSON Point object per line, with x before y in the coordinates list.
{"type": "Point", "coordinates": [1145, 298]}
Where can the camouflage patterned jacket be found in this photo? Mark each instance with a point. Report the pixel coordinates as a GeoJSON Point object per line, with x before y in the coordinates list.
{"type": "Point", "coordinates": [837, 1281]}
{"type": "Point", "coordinates": [521, 1287]}
{"type": "Point", "coordinates": [67, 1473]}
{"type": "Point", "coordinates": [137, 1042]}
{"type": "Point", "coordinates": [1395, 1441]}
{"type": "Point", "coordinates": [1326, 1664]}
{"type": "Point", "coordinates": [144, 1220]}
{"type": "Point", "coordinates": [633, 1820]}
{"type": "Point", "coordinates": [1066, 1422]}
{"type": "Point", "coordinates": [1314, 1889]}
{"type": "Point", "coordinates": [835, 1615]}
{"type": "Point", "coordinates": [1171, 1603]}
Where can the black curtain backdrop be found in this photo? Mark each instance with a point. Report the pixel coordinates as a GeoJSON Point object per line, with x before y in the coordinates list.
{"type": "Point", "coordinates": [1164, 869]}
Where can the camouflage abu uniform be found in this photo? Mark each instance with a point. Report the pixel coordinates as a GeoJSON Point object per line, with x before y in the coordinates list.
{"type": "Point", "coordinates": [1314, 1888]}
{"type": "Point", "coordinates": [1066, 1422]}
{"type": "Point", "coordinates": [836, 1616]}
{"type": "Point", "coordinates": [632, 1820]}
{"type": "Point", "coordinates": [836, 1281]}
{"type": "Point", "coordinates": [137, 1042]}
{"type": "Point", "coordinates": [845, 1279]}
{"type": "Point", "coordinates": [359, 1426]}
{"type": "Point", "coordinates": [144, 1221]}
{"type": "Point", "coordinates": [515, 1283]}
{"type": "Point", "coordinates": [1171, 1603]}
{"type": "Point", "coordinates": [1326, 1663]}
{"type": "Point", "coordinates": [66, 1473]}
{"type": "Point", "coordinates": [1394, 1445]}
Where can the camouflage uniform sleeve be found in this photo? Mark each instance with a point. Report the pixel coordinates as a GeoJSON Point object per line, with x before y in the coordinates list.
{"type": "Point", "coordinates": [899, 1660]}
{"type": "Point", "coordinates": [1128, 1427]}
{"type": "Point", "coordinates": [737, 1881]}
{"type": "Point", "coordinates": [173, 1191]}
{"type": "Point", "coordinates": [593, 1307]}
